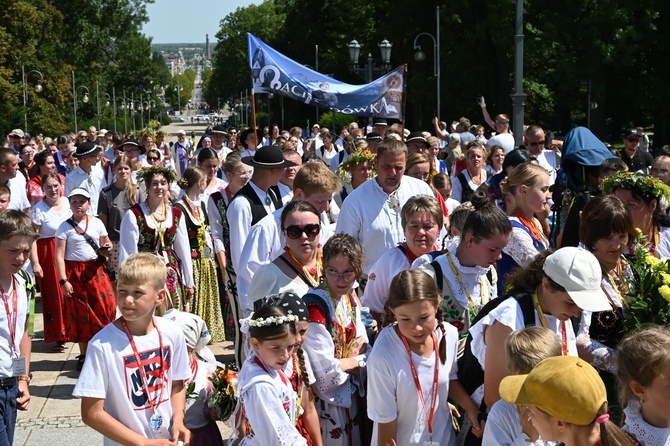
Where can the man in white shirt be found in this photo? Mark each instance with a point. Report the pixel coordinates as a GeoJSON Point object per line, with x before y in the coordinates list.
{"type": "Point", "coordinates": [371, 213]}
{"type": "Point", "coordinates": [258, 198]}
{"type": "Point", "coordinates": [550, 159]}
{"type": "Point", "coordinates": [315, 184]}
{"type": "Point", "coordinates": [88, 175]}
{"type": "Point", "coordinates": [9, 166]}
{"type": "Point", "coordinates": [503, 137]}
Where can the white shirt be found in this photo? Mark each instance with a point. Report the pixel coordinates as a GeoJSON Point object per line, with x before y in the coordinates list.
{"type": "Point", "coordinates": [93, 183]}
{"type": "Point", "coordinates": [77, 248]}
{"type": "Point", "coordinates": [214, 217]}
{"type": "Point", "coordinates": [17, 187]}
{"type": "Point", "coordinates": [269, 279]}
{"type": "Point", "coordinates": [550, 161]}
{"type": "Point", "coordinates": [111, 373]}
{"type": "Point", "coordinates": [264, 243]}
{"type": "Point", "coordinates": [457, 189]}
{"type": "Point", "coordinates": [6, 354]}
{"type": "Point", "coordinates": [503, 427]}
{"type": "Point", "coordinates": [335, 161]}
{"type": "Point", "coordinates": [327, 156]}
{"type": "Point", "coordinates": [380, 277]}
{"type": "Point", "coordinates": [504, 140]}
{"type": "Point", "coordinates": [130, 234]}
{"type": "Point", "coordinates": [520, 247]}
{"type": "Point", "coordinates": [392, 392]}
{"type": "Point", "coordinates": [48, 219]}
{"type": "Point", "coordinates": [510, 315]}
{"type": "Point", "coordinates": [239, 219]}
{"type": "Point", "coordinates": [369, 216]}
{"type": "Point", "coordinates": [645, 433]}
{"type": "Point", "coordinates": [270, 405]}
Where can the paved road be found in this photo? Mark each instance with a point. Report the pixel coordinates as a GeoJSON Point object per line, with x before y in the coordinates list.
{"type": "Point", "coordinates": [54, 417]}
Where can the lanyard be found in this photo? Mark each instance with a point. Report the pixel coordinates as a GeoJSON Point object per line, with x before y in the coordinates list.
{"type": "Point", "coordinates": [143, 373]}
{"type": "Point", "coordinates": [471, 302]}
{"type": "Point", "coordinates": [417, 383]}
{"type": "Point", "coordinates": [12, 316]}
{"type": "Point", "coordinates": [543, 321]}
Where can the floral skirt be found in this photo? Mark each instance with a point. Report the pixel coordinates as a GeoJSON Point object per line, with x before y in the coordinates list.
{"type": "Point", "coordinates": [53, 306]}
{"type": "Point", "coordinates": [339, 425]}
{"type": "Point", "coordinates": [206, 301]}
{"type": "Point", "coordinates": [92, 305]}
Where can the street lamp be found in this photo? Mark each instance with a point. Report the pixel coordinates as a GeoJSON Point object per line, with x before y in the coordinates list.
{"type": "Point", "coordinates": [518, 97]}
{"type": "Point", "coordinates": [178, 88]}
{"type": "Point", "coordinates": [38, 89]}
{"type": "Point", "coordinates": [420, 56]}
{"type": "Point", "coordinates": [75, 93]}
{"type": "Point", "coordinates": [369, 69]}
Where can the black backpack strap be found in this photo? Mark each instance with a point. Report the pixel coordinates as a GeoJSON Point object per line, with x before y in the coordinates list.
{"type": "Point", "coordinates": [340, 156]}
{"type": "Point", "coordinates": [87, 237]}
{"type": "Point", "coordinates": [525, 301]}
{"type": "Point", "coordinates": [439, 275]}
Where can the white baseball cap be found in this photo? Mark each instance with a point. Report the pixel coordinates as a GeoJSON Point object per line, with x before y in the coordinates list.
{"type": "Point", "coordinates": [181, 132]}
{"type": "Point", "coordinates": [79, 191]}
{"type": "Point", "coordinates": [578, 271]}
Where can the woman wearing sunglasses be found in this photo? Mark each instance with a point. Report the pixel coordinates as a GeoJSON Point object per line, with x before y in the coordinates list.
{"type": "Point", "coordinates": [299, 267]}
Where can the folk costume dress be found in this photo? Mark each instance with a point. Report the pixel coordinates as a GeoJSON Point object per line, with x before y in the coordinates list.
{"type": "Point", "coordinates": [206, 302]}
{"type": "Point", "coordinates": [53, 300]}
{"type": "Point", "coordinates": [168, 238]}
{"type": "Point", "coordinates": [465, 289]}
{"type": "Point", "coordinates": [217, 204]}
{"type": "Point", "coordinates": [333, 327]}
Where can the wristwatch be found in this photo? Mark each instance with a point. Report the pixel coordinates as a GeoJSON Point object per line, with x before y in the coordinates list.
{"type": "Point", "coordinates": [63, 281]}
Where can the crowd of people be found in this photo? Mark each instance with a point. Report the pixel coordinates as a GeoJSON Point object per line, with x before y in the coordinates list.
{"type": "Point", "coordinates": [379, 286]}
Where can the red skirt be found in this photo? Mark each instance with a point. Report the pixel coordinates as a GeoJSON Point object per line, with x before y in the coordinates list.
{"type": "Point", "coordinates": [56, 327]}
{"type": "Point", "coordinates": [93, 298]}
{"type": "Point", "coordinates": [208, 435]}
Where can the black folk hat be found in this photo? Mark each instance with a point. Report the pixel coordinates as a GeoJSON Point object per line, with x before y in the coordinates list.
{"type": "Point", "coordinates": [267, 157]}
{"type": "Point", "coordinates": [86, 149]}
{"type": "Point", "coordinates": [245, 133]}
{"type": "Point", "coordinates": [417, 137]}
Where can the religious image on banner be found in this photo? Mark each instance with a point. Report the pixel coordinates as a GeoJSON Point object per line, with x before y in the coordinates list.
{"type": "Point", "coordinates": [272, 72]}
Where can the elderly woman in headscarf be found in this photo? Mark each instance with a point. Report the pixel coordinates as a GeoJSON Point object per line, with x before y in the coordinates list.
{"type": "Point", "coordinates": [197, 419]}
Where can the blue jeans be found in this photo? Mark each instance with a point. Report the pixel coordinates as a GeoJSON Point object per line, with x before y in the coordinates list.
{"type": "Point", "coordinates": [8, 396]}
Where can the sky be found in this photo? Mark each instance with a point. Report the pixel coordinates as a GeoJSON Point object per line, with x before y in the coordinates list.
{"type": "Point", "coordinates": [179, 21]}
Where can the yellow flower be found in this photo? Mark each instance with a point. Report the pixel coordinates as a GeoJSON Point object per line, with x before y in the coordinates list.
{"type": "Point", "coordinates": [367, 153]}
{"type": "Point", "coordinates": [665, 278]}
{"type": "Point", "coordinates": [652, 261]}
{"type": "Point", "coordinates": [665, 292]}
{"type": "Point", "coordinates": [638, 232]}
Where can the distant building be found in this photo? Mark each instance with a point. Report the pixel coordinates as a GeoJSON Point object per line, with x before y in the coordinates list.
{"type": "Point", "coordinates": [208, 55]}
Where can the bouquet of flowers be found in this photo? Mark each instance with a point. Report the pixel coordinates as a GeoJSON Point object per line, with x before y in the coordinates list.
{"type": "Point", "coordinates": [648, 301]}
{"type": "Point", "coordinates": [222, 400]}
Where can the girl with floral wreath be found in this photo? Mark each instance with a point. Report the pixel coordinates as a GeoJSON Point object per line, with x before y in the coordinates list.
{"type": "Point", "coordinates": [154, 226]}
{"type": "Point", "coordinates": [206, 302]}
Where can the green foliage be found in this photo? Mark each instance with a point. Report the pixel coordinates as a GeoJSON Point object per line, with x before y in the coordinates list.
{"type": "Point", "coordinates": [341, 120]}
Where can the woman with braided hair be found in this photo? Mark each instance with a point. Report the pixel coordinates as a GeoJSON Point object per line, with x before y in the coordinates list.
{"type": "Point", "coordinates": [415, 411]}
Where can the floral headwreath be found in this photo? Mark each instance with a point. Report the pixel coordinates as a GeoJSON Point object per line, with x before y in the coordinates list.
{"type": "Point", "coordinates": [146, 173]}
{"type": "Point", "coordinates": [249, 322]}
{"type": "Point", "coordinates": [645, 186]}
{"type": "Point", "coordinates": [354, 159]}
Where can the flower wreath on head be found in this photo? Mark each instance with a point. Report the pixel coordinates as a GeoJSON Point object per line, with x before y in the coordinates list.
{"type": "Point", "coordinates": [248, 322]}
{"type": "Point", "coordinates": [354, 159]}
{"type": "Point", "coordinates": [644, 186]}
{"type": "Point", "coordinates": [147, 131]}
{"type": "Point", "coordinates": [146, 173]}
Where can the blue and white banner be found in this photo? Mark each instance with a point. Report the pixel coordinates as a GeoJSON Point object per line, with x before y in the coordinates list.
{"type": "Point", "coordinates": [272, 72]}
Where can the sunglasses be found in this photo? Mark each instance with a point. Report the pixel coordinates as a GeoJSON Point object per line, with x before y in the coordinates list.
{"type": "Point", "coordinates": [295, 232]}
{"type": "Point", "coordinates": [535, 144]}
{"type": "Point", "coordinates": [152, 158]}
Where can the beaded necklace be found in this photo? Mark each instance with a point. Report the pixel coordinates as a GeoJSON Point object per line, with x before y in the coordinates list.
{"type": "Point", "coordinates": [342, 341]}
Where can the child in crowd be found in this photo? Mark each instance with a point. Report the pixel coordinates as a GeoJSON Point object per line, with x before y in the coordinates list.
{"type": "Point", "coordinates": [508, 425]}
{"type": "Point", "coordinates": [299, 369]}
{"type": "Point", "coordinates": [88, 303]}
{"type": "Point", "coordinates": [458, 218]}
{"type": "Point", "coordinates": [266, 395]}
{"type": "Point", "coordinates": [203, 428]}
{"type": "Point", "coordinates": [414, 411]}
{"type": "Point", "coordinates": [337, 343]}
{"type": "Point", "coordinates": [5, 197]}
{"type": "Point", "coordinates": [566, 401]}
{"type": "Point", "coordinates": [644, 375]}
{"type": "Point", "coordinates": [17, 236]}
{"type": "Point", "coordinates": [132, 383]}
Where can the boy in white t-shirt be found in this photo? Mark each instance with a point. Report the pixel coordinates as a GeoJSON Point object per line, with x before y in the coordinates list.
{"type": "Point", "coordinates": [17, 235]}
{"type": "Point", "coordinates": [124, 402]}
